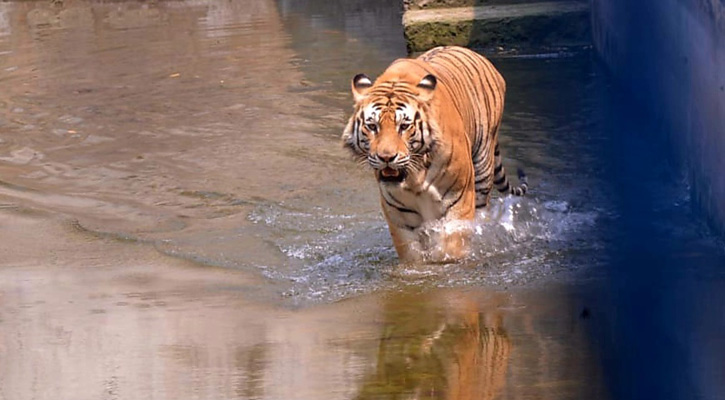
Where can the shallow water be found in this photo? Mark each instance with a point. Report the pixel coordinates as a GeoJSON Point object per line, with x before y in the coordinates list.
{"type": "Point", "coordinates": [204, 235]}
{"type": "Point", "coordinates": [210, 129]}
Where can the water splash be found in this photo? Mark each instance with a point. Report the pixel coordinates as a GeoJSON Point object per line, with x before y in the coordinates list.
{"type": "Point", "coordinates": [514, 241]}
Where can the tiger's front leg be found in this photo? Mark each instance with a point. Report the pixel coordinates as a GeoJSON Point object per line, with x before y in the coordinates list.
{"type": "Point", "coordinates": [407, 244]}
{"type": "Point", "coordinates": [440, 245]}
{"type": "Point", "coordinates": [405, 238]}
{"type": "Point", "coordinates": [451, 240]}
{"type": "Point", "coordinates": [445, 239]}
{"type": "Point", "coordinates": [451, 245]}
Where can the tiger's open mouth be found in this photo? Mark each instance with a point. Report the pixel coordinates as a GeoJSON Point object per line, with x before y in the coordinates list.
{"type": "Point", "coordinates": [388, 174]}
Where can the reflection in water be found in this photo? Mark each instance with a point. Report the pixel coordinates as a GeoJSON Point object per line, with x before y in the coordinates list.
{"type": "Point", "coordinates": [351, 36]}
{"type": "Point", "coordinates": [159, 121]}
{"type": "Point", "coordinates": [104, 319]}
{"type": "Point", "coordinates": [437, 346]}
{"type": "Point", "coordinates": [4, 19]}
{"type": "Point", "coordinates": [101, 318]}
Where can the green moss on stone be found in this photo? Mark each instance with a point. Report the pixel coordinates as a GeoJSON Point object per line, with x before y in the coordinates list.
{"type": "Point", "coordinates": [424, 36]}
{"type": "Point", "coordinates": [572, 29]}
{"type": "Point", "coordinates": [431, 4]}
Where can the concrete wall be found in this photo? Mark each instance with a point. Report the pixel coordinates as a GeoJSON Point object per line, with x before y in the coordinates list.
{"type": "Point", "coordinates": [670, 55]}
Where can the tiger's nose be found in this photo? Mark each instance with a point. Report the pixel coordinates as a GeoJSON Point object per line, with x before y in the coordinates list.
{"type": "Point", "coordinates": [387, 157]}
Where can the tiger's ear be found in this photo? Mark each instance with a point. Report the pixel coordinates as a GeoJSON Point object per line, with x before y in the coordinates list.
{"type": "Point", "coordinates": [427, 85]}
{"type": "Point", "coordinates": [361, 84]}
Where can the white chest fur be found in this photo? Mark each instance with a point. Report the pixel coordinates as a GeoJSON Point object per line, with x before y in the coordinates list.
{"type": "Point", "coordinates": [412, 208]}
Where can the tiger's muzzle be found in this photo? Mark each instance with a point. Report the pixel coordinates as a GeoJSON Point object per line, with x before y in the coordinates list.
{"type": "Point", "coordinates": [389, 168]}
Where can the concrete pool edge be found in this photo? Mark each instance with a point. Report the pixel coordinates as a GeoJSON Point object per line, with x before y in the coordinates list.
{"type": "Point", "coordinates": [530, 26]}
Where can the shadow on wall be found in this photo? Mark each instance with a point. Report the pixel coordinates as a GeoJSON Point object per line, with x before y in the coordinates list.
{"type": "Point", "coordinates": [666, 59]}
{"type": "Point", "coordinates": [669, 55]}
{"type": "Point", "coordinates": [660, 336]}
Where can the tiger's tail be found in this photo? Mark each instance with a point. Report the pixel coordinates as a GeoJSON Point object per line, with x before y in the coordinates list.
{"type": "Point", "coordinates": [502, 182]}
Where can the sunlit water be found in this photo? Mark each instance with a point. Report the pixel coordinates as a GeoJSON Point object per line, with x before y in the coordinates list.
{"type": "Point", "coordinates": [209, 131]}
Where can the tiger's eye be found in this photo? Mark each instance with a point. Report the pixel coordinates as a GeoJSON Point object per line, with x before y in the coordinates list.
{"type": "Point", "coordinates": [404, 127]}
{"type": "Point", "coordinates": [371, 127]}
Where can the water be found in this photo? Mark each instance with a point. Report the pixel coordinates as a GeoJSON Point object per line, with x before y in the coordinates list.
{"type": "Point", "coordinates": [225, 150]}
{"type": "Point", "coordinates": [180, 220]}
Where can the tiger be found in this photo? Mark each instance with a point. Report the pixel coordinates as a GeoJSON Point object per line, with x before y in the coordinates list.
{"type": "Point", "coordinates": [460, 351]}
{"type": "Point", "coordinates": [428, 127]}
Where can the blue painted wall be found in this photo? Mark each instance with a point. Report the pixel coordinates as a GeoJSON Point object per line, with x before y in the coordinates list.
{"type": "Point", "coordinates": [670, 56]}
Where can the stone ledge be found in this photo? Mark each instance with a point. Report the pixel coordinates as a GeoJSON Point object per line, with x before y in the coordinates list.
{"type": "Point", "coordinates": [542, 25]}
{"type": "Point", "coordinates": [430, 4]}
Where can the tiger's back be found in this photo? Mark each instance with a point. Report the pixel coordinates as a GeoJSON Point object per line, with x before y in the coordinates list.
{"type": "Point", "coordinates": [478, 91]}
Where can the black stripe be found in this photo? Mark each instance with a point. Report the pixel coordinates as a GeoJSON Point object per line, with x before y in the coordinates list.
{"type": "Point", "coordinates": [482, 76]}
{"type": "Point", "coordinates": [480, 164]}
{"type": "Point", "coordinates": [355, 138]}
{"type": "Point", "coordinates": [448, 163]}
{"type": "Point", "coordinates": [443, 173]}
{"type": "Point", "coordinates": [422, 134]}
{"type": "Point", "coordinates": [483, 178]}
{"type": "Point", "coordinates": [414, 136]}
{"type": "Point", "coordinates": [500, 180]}
{"type": "Point", "coordinates": [460, 196]}
{"type": "Point", "coordinates": [446, 192]}
{"type": "Point", "coordinates": [400, 209]}
{"type": "Point", "coordinates": [414, 139]}
{"type": "Point", "coordinates": [492, 86]}
{"type": "Point", "coordinates": [358, 134]}
{"type": "Point", "coordinates": [477, 148]}
{"type": "Point", "coordinates": [484, 92]}
{"type": "Point", "coordinates": [498, 169]}
{"type": "Point", "coordinates": [482, 201]}
{"type": "Point", "coordinates": [400, 203]}
{"type": "Point", "coordinates": [418, 122]}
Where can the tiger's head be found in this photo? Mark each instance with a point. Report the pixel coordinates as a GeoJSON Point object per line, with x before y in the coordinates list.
{"type": "Point", "coordinates": [390, 129]}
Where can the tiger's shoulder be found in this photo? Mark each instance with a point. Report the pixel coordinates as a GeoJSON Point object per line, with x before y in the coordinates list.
{"type": "Point", "coordinates": [448, 61]}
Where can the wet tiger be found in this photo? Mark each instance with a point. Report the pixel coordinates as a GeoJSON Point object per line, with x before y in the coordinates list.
{"type": "Point", "coordinates": [429, 129]}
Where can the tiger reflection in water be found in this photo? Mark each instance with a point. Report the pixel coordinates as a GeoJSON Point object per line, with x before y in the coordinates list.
{"type": "Point", "coordinates": [441, 348]}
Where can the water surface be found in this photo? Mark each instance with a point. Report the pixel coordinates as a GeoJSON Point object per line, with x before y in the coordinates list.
{"type": "Point", "coordinates": [180, 220]}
